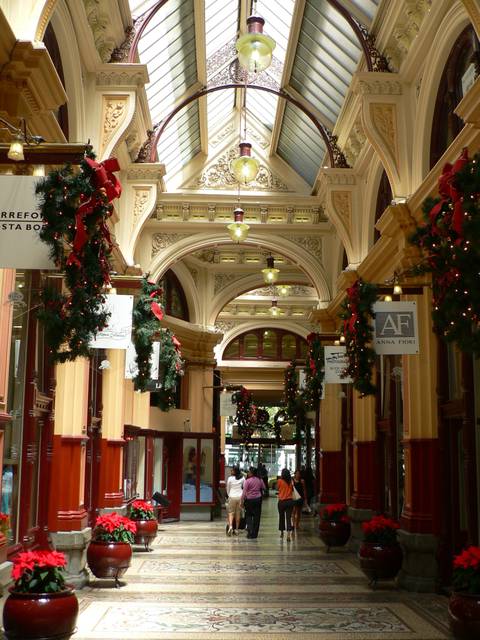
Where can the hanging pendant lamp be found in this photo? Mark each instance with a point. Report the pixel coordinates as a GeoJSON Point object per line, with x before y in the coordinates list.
{"type": "Point", "coordinates": [274, 309]}
{"type": "Point", "coordinates": [238, 229]}
{"type": "Point", "coordinates": [270, 274]}
{"type": "Point", "coordinates": [245, 168]}
{"type": "Point", "coordinates": [254, 47]}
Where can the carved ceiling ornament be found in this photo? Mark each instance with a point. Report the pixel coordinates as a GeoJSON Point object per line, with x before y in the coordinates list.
{"type": "Point", "coordinates": [99, 22]}
{"type": "Point", "coordinates": [342, 203]}
{"type": "Point", "coordinates": [406, 29]}
{"type": "Point", "coordinates": [221, 281]}
{"type": "Point", "coordinates": [219, 176]}
{"type": "Point", "coordinates": [384, 119]}
{"type": "Point", "coordinates": [114, 113]}
{"type": "Point", "coordinates": [223, 326]}
{"type": "Point", "coordinates": [140, 201]}
{"type": "Point", "coordinates": [162, 241]}
{"type": "Point", "coordinates": [311, 244]}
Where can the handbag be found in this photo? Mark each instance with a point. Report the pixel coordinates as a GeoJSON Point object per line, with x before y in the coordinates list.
{"type": "Point", "coordinates": [295, 495]}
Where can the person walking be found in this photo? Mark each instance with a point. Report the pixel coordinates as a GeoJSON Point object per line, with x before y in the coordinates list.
{"type": "Point", "coordinates": [285, 503]}
{"type": "Point", "coordinates": [234, 490]}
{"type": "Point", "coordinates": [299, 485]}
{"type": "Point", "coordinates": [252, 500]}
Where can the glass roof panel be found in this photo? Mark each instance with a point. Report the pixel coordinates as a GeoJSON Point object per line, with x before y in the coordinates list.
{"type": "Point", "coordinates": [181, 140]}
{"type": "Point", "coordinates": [263, 106]}
{"type": "Point", "coordinates": [220, 106]}
{"type": "Point", "coordinates": [221, 23]}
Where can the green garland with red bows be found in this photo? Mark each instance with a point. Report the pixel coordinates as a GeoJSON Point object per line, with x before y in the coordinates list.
{"type": "Point", "coordinates": [75, 207]}
{"type": "Point", "coordinates": [246, 414]}
{"type": "Point", "coordinates": [314, 371]}
{"type": "Point", "coordinates": [147, 314]}
{"type": "Point", "coordinates": [450, 240]}
{"type": "Point", "coordinates": [357, 314]}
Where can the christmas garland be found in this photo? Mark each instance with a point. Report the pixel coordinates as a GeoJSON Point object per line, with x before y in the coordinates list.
{"type": "Point", "coordinates": [314, 371]}
{"type": "Point", "coordinates": [246, 414]}
{"type": "Point", "coordinates": [357, 314]}
{"type": "Point", "coordinates": [290, 390]}
{"type": "Point", "coordinates": [450, 240]}
{"type": "Point", "coordinates": [146, 315]}
{"type": "Point", "coordinates": [75, 208]}
{"type": "Point", "coordinates": [171, 368]}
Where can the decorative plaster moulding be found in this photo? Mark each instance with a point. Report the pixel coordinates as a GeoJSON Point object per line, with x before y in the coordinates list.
{"type": "Point", "coordinates": [377, 83]}
{"type": "Point", "coordinates": [122, 75]}
{"type": "Point", "coordinates": [150, 171]}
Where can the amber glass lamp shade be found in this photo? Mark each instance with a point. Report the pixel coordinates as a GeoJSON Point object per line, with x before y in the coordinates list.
{"type": "Point", "coordinates": [238, 229]}
{"type": "Point", "coordinates": [270, 274]}
{"type": "Point", "coordinates": [274, 309]}
{"type": "Point", "coordinates": [254, 48]}
{"type": "Point", "coordinates": [15, 151]}
{"type": "Point", "coordinates": [245, 168]}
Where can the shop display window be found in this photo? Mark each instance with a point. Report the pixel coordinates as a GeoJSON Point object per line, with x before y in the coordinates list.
{"type": "Point", "coordinates": [197, 474]}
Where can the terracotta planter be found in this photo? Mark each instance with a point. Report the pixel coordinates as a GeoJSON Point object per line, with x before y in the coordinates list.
{"type": "Point", "coordinates": [464, 612]}
{"type": "Point", "coordinates": [146, 532]}
{"type": "Point", "coordinates": [40, 616]}
{"type": "Point", "coordinates": [109, 559]}
{"type": "Point", "coordinates": [334, 534]}
{"type": "Point", "coordinates": [380, 561]}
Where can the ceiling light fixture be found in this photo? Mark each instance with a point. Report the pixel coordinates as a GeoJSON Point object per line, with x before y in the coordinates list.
{"type": "Point", "coordinates": [270, 274]}
{"type": "Point", "coordinates": [238, 229]}
{"type": "Point", "coordinates": [20, 138]}
{"type": "Point", "coordinates": [284, 289]}
{"type": "Point", "coordinates": [274, 309]}
{"type": "Point", "coordinates": [245, 168]}
{"type": "Point", "coordinates": [255, 48]}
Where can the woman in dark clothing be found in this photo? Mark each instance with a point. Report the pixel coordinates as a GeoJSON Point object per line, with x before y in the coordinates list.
{"type": "Point", "coordinates": [285, 503]}
{"type": "Point", "coordinates": [252, 500]}
{"type": "Point", "coordinates": [302, 491]}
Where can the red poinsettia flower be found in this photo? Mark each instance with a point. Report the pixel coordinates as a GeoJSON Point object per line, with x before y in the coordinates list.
{"type": "Point", "coordinates": [113, 527]}
{"type": "Point", "coordinates": [466, 570]}
{"type": "Point", "coordinates": [380, 529]}
{"type": "Point", "coordinates": [336, 512]}
{"type": "Point", "coordinates": [39, 571]}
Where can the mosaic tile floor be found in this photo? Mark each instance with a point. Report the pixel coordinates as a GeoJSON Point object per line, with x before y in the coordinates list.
{"type": "Point", "coordinates": [200, 584]}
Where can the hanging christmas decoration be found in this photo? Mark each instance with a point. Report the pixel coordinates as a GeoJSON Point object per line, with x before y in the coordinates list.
{"type": "Point", "coordinates": [450, 241]}
{"type": "Point", "coordinates": [75, 207]}
{"type": "Point", "coordinates": [147, 312]}
{"type": "Point", "coordinates": [314, 371]}
{"type": "Point", "coordinates": [246, 414]}
{"type": "Point", "coordinates": [357, 314]}
{"type": "Point", "coordinates": [295, 406]}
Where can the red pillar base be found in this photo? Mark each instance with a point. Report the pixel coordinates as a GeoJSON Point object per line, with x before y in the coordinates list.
{"type": "Point", "coordinates": [110, 494]}
{"type": "Point", "coordinates": [365, 495]}
{"type": "Point", "coordinates": [332, 477]}
{"type": "Point", "coordinates": [421, 509]}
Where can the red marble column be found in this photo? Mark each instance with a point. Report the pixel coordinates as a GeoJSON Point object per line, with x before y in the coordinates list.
{"type": "Point", "coordinates": [365, 494]}
{"type": "Point", "coordinates": [332, 477]}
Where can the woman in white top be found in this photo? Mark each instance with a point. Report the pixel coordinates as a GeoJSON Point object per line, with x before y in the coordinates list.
{"type": "Point", "coordinates": [234, 494]}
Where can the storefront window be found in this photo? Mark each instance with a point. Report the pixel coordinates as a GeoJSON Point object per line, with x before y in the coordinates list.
{"type": "Point", "coordinates": [250, 345]}
{"type": "Point", "coordinates": [189, 491]}
{"type": "Point", "coordinates": [16, 390]}
{"type": "Point", "coordinates": [289, 346]}
{"type": "Point", "coordinates": [130, 460]}
{"type": "Point", "coordinates": [206, 471]}
{"type": "Point", "coordinates": [269, 344]}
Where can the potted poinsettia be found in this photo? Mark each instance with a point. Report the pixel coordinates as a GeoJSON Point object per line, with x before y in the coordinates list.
{"type": "Point", "coordinates": [109, 552]}
{"type": "Point", "coordinates": [380, 554]}
{"type": "Point", "coordinates": [142, 513]}
{"type": "Point", "coordinates": [334, 525]}
{"type": "Point", "coordinates": [464, 603]}
{"type": "Point", "coordinates": [40, 604]}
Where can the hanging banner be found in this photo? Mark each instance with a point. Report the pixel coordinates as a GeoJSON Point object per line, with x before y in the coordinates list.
{"type": "Point", "coordinates": [20, 223]}
{"type": "Point", "coordinates": [131, 368]}
{"type": "Point", "coordinates": [395, 329]}
{"type": "Point", "coordinates": [335, 364]}
{"type": "Point", "coordinates": [227, 408]}
{"type": "Point", "coordinates": [118, 332]}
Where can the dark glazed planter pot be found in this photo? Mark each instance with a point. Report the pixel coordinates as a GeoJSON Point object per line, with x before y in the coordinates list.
{"type": "Point", "coordinates": [40, 616]}
{"type": "Point", "coordinates": [334, 534]}
{"type": "Point", "coordinates": [464, 612]}
{"type": "Point", "coordinates": [109, 559]}
{"type": "Point", "coordinates": [146, 532]}
{"type": "Point", "coordinates": [380, 561]}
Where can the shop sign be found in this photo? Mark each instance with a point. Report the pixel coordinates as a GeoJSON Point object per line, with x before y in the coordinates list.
{"type": "Point", "coordinates": [395, 328]}
{"type": "Point", "coordinates": [336, 363]}
{"type": "Point", "coordinates": [227, 408]}
{"type": "Point", "coordinates": [131, 368]}
{"type": "Point", "coordinates": [118, 332]}
{"type": "Point", "coordinates": [20, 223]}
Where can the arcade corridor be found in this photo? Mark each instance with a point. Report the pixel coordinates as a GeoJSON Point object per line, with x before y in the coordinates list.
{"type": "Point", "coordinates": [199, 584]}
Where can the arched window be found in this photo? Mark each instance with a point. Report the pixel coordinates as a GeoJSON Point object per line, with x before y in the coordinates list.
{"type": "Point", "coordinates": [173, 296]}
{"type": "Point", "coordinates": [384, 198]}
{"type": "Point", "coordinates": [463, 66]}
{"type": "Point", "coordinates": [266, 344]}
{"type": "Point", "coordinates": [51, 45]}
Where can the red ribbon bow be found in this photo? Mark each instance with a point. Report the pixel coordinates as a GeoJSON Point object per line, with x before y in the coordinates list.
{"type": "Point", "coordinates": [157, 310]}
{"type": "Point", "coordinates": [448, 190]}
{"type": "Point", "coordinates": [176, 342]}
{"type": "Point", "coordinates": [104, 178]}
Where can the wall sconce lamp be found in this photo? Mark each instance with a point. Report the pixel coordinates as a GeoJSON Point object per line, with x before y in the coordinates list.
{"type": "Point", "coordinates": [20, 137]}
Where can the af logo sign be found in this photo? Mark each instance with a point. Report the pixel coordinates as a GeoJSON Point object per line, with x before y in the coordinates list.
{"type": "Point", "coordinates": [395, 328]}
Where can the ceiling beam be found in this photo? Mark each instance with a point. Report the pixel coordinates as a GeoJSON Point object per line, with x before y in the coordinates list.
{"type": "Point", "coordinates": [201, 58]}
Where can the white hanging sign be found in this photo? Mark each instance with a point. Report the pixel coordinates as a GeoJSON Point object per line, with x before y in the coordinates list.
{"type": "Point", "coordinates": [131, 368]}
{"type": "Point", "coordinates": [118, 332]}
{"type": "Point", "coordinates": [227, 408]}
{"type": "Point", "coordinates": [20, 223]}
{"type": "Point", "coordinates": [395, 328]}
{"type": "Point", "coordinates": [335, 364]}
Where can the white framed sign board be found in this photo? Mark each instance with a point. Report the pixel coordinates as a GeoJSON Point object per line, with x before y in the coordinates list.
{"type": "Point", "coordinates": [395, 328]}
{"type": "Point", "coordinates": [118, 332]}
{"type": "Point", "coordinates": [335, 364]}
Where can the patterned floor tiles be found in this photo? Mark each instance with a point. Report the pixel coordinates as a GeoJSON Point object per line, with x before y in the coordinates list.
{"type": "Point", "coordinates": [200, 584]}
